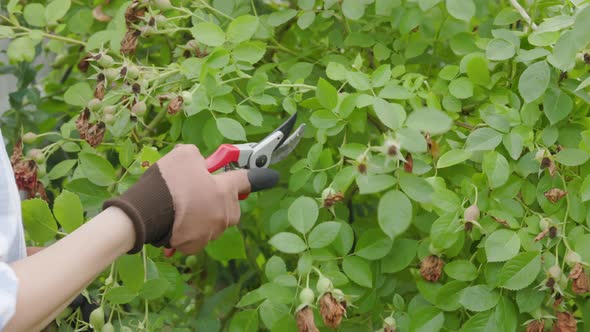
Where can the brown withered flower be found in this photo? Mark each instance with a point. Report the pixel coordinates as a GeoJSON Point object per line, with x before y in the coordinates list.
{"type": "Point", "coordinates": [129, 42]}
{"type": "Point", "coordinates": [565, 323]}
{"type": "Point", "coordinates": [305, 322]}
{"type": "Point", "coordinates": [95, 134]}
{"type": "Point", "coordinates": [549, 164]}
{"type": "Point", "coordinates": [536, 326]}
{"type": "Point", "coordinates": [554, 194]}
{"type": "Point", "coordinates": [431, 268]}
{"type": "Point", "coordinates": [587, 58]}
{"type": "Point", "coordinates": [99, 14]}
{"type": "Point", "coordinates": [25, 171]}
{"type": "Point", "coordinates": [432, 146]}
{"type": "Point", "coordinates": [332, 311]}
{"type": "Point", "coordinates": [552, 232]}
{"type": "Point", "coordinates": [175, 105]}
{"type": "Point", "coordinates": [133, 13]}
{"type": "Point", "coordinates": [409, 164]}
{"type": "Point", "coordinates": [333, 199]}
{"type": "Point", "coordinates": [84, 63]}
{"type": "Point", "coordinates": [82, 123]}
{"type": "Point", "coordinates": [580, 281]}
{"type": "Point", "coordinates": [99, 90]}
{"type": "Point", "coordinates": [542, 235]}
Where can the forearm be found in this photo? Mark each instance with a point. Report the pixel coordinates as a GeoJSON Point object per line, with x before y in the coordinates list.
{"type": "Point", "coordinates": [51, 277]}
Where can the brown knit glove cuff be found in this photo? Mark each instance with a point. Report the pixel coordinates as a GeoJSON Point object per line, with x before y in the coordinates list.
{"type": "Point", "coordinates": [150, 207]}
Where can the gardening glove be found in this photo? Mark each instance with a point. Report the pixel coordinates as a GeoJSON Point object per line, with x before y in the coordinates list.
{"type": "Point", "coordinates": [178, 203]}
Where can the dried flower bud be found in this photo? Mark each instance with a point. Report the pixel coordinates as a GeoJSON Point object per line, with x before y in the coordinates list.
{"type": "Point", "coordinates": [552, 232]}
{"type": "Point", "coordinates": [587, 58]}
{"type": "Point", "coordinates": [82, 122]}
{"type": "Point", "coordinates": [362, 168]}
{"type": "Point", "coordinates": [84, 63]}
{"type": "Point", "coordinates": [129, 42]}
{"type": "Point", "coordinates": [565, 323]}
{"type": "Point", "coordinates": [145, 164]}
{"type": "Point", "coordinates": [536, 326]}
{"type": "Point", "coordinates": [580, 281]}
{"type": "Point", "coordinates": [471, 213]}
{"type": "Point", "coordinates": [409, 164]}
{"type": "Point", "coordinates": [432, 146]}
{"type": "Point", "coordinates": [305, 322]}
{"type": "Point", "coordinates": [95, 134]}
{"type": "Point", "coordinates": [175, 105]}
{"type": "Point", "coordinates": [331, 310]}
{"type": "Point", "coordinates": [99, 91]}
{"type": "Point", "coordinates": [431, 268]}
{"type": "Point", "coordinates": [136, 88]}
{"type": "Point", "coordinates": [554, 194]}
{"type": "Point", "coordinates": [550, 283]}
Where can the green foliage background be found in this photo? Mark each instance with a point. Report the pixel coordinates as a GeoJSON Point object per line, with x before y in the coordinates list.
{"type": "Point", "coordinates": [471, 95]}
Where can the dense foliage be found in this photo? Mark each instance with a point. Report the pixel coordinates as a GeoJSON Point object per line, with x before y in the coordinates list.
{"type": "Point", "coordinates": [441, 184]}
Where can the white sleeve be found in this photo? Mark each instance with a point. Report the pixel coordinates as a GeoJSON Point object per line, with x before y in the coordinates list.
{"type": "Point", "coordinates": [8, 293]}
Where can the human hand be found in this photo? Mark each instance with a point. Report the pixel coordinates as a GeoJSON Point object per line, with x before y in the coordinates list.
{"type": "Point", "coordinates": [178, 202]}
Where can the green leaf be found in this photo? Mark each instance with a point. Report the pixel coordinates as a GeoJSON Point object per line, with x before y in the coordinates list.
{"type": "Point", "coordinates": [231, 129]}
{"type": "Point", "coordinates": [483, 139]}
{"type": "Point", "coordinates": [57, 9]}
{"type": "Point", "coordinates": [390, 114]}
{"type": "Point", "coordinates": [324, 234]}
{"type": "Point", "coordinates": [154, 288]}
{"type": "Point", "coordinates": [585, 189]}
{"type": "Point", "coordinates": [358, 270]}
{"type": "Point", "coordinates": [412, 140]}
{"type": "Point", "coordinates": [481, 322]}
{"type": "Point", "coordinates": [288, 243]}
{"type": "Point", "coordinates": [250, 52]}
{"type": "Point", "coordinates": [353, 9]}
{"type": "Point", "coordinates": [416, 187]}
{"type": "Point", "coordinates": [305, 20]}
{"type": "Point", "coordinates": [502, 245]}
{"type": "Point", "coordinates": [520, 271]}
{"type": "Point", "coordinates": [462, 270]}
{"type": "Point", "coordinates": [394, 213]}
{"type": "Point", "coordinates": [130, 268]}
{"type": "Point", "coordinates": [242, 28]}
{"type": "Point", "coordinates": [303, 214]}
{"type": "Point", "coordinates": [370, 184]}
{"type": "Point", "coordinates": [403, 252]}
{"type": "Point", "coordinates": [358, 80]}
{"type": "Point", "coordinates": [34, 14]}
{"type": "Point", "coordinates": [444, 231]}
{"type": "Point", "coordinates": [534, 81]}
{"type": "Point", "coordinates": [479, 298]}
{"type": "Point", "coordinates": [249, 114]}
{"type": "Point", "coordinates": [97, 169]}
{"type": "Point", "coordinates": [120, 295]}
{"type": "Point", "coordinates": [38, 220]}
{"type": "Point", "coordinates": [208, 33]}
{"type": "Point", "coordinates": [21, 49]}
{"type": "Point", "coordinates": [499, 49]}
{"type": "Point", "coordinates": [6, 32]}
{"type": "Point", "coordinates": [513, 144]}
{"type": "Point", "coordinates": [461, 9]}
{"type": "Point", "coordinates": [78, 94]}
{"type": "Point", "coordinates": [427, 319]}
{"type": "Point", "coordinates": [461, 88]}
{"type": "Point", "coordinates": [326, 94]}
{"type": "Point", "coordinates": [280, 17]}
{"type": "Point", "coordinates": [61, 169]}
{"type": "Point", "coordinates": [506, 315]}
{"type": "Point", "coordinates": [557, 105]}
{"type": "Point", "coordinates": [244, 321]}
{"type": "Point", "coordinates": [477, 70]}
{"type": "Point", "coordinates": [430, 121]}
{"type": "Point", "coordinates": [306, 4]}
{"type": "Point", "coordinates": [68, 211]}
{"type": "Point", "coordinates": [449, 295]}
{"type": "Point", "coordinates": [496, 168]}
{"type": "Point", "coordinates": [452, 157]}
{"type": "Point", "coordinates": [373, 245]}
{"type": "Point", "coordinates": [572, 157]}
{"type": "Point", "coordinates": [425, 5]}
{"type": "Point", "coordinates": [230, 245]}
{"type": "Point", "coordinates": [324, 119]}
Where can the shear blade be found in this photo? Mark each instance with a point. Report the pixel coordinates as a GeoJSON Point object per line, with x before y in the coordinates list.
{"type": "Point", "coordinates": [288, 145]}
{"type": "Point", "coordinates": [286, 129]}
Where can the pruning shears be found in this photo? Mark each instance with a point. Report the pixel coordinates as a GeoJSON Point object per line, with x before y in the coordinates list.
{"type": "Point", "coordinates": [270, 150]}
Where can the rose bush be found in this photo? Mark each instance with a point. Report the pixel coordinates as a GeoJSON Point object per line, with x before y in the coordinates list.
{"type": "Point", "coordinates": [442, 183]}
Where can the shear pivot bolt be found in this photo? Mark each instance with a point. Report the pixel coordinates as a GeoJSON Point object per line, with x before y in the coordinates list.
{"type": "Point", "coordinates": [261, 161]}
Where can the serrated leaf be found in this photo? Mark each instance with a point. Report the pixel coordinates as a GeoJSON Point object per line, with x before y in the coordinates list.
{"type": "Point", "coordinates": [502, 245]}
{"type": "Point", "coordinates": [288, 243]}
{"type": "Point", "coordinates": [483, 139]}
{"type": "Point", "coordinates": [303, 214]}
{"type": "Point", "coordinates": [242, 28]}
{"type": "Point", "coordinates": [479, 298]}
{"type": "Point", "coordinates": [520, 271]}
{"type": "Point", "coordinates": [231, 129]}
{"type": "Point", "coordinates": [358, 270]}
{"type": "Point", "coordinates": [394, 213]}
{"type": "Point", "coordinates": [452, 157]}
{"type": "Point", "coordinates": [324, 234]}
{"type": "Point", "coordinates": [326, 94]}
{"type": "Point", "coordinates": [38, 220]}
{"type": "Point", "coordinates": [208, 33]}
{"type": "Point", "coordinates": [430, 121]}
{"type": "Point", "coordinates": [534, 81]}
{"type": "Point", "coordinates": [68, 211]}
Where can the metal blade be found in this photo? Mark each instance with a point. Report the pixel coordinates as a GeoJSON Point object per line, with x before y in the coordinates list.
{"type": "Point", "coordinates": [288, 146]}
{"type": "Point", "coordinates": [286, 129]}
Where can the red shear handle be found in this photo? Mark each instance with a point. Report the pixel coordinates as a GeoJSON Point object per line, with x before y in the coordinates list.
{"type": "Point", "coordinates": [224, 155]}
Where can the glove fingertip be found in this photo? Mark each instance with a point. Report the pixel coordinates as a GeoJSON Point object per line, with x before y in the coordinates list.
{"type": "Point", "coordinates": [262, 178]}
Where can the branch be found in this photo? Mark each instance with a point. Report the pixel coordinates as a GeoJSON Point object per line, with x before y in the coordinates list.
{"type": "Point", "coordinates": [523, 13]}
